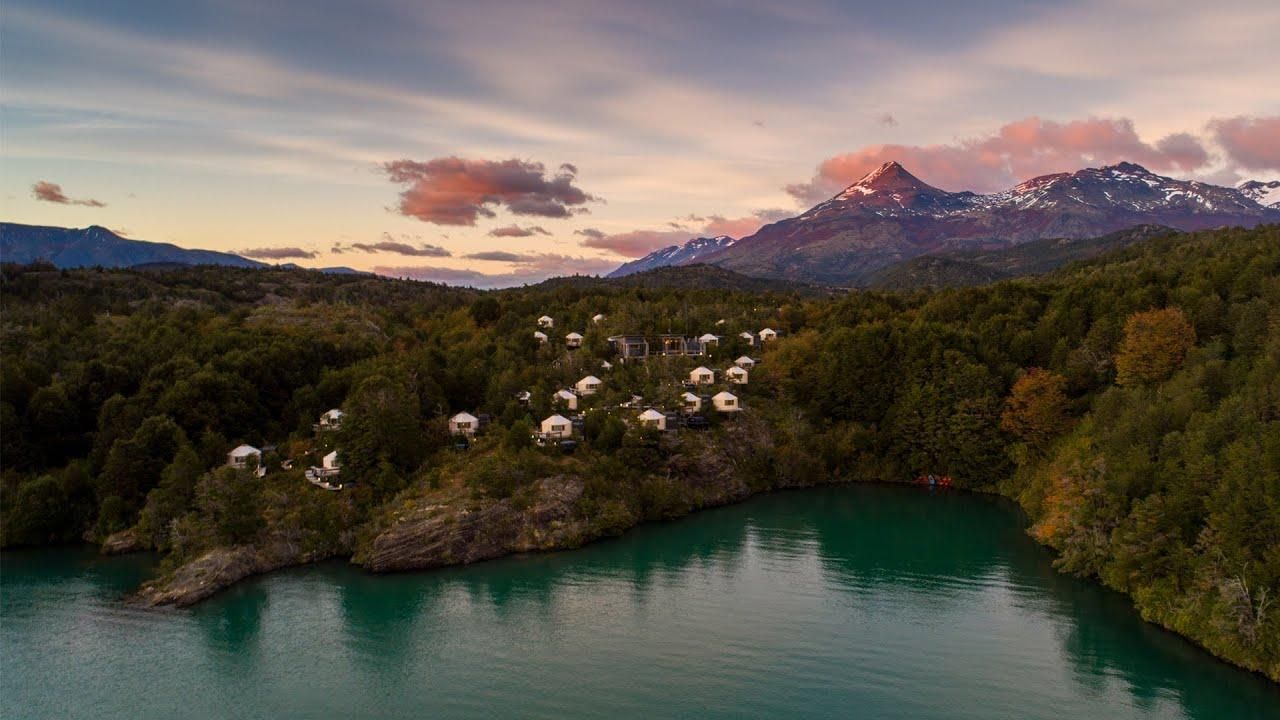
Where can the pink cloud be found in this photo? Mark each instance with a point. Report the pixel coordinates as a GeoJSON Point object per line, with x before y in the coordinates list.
{"type": "Point", "coordinates": [52, 192]}
{"type": "Point", "coordinates": [1251, 142]}
{"type": "Point", "coordinates": [456, 191]}
{"type": "Point", "coordinates": [638, 243]}
{"type": "Point", "coordinates": [1017, 151]}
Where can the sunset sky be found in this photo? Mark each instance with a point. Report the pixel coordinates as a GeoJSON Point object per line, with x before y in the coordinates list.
{"type": "Point", "coordinates": [494, 143]}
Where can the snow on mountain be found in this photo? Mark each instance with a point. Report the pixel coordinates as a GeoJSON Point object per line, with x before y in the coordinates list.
{"type": "Point", "coordinates": [1262, 192]}
{"type": "Point", "coordinates": [889, 215]}
{"type": "Point", "coordinates": [675, 255]}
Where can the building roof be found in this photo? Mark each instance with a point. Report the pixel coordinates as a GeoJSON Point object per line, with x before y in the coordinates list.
{"type": "Point", "coordinates": [724, 395]}
{"type": "Point", "coordinates": [566, 394]}
{"type": "Point", "coordinates": [539, 334]}
{"type": "Point", "coordinates": [771, 331]}
{"type": "Point", "coordinates": [689, 396]}
{"type": "Point", "coordinates": [331, 456]}
{"type": "Point", "coordinates": [336, 413]}
{"type": "Point", "coordinates": [745, 359]}
{"type": "Point", "coordinates": [464, 417]}
{"type": "Point", "coordinates": [652, 414]}
{"type": "Point", "coordinates": [544, 317]}
{"type": "Point", "coordinates": [556, 420]}
{"type": "Point", "coordinates": [573, 336]}
{"type": "Point", "coordinates": [746, 335]}
{"type": "Point", "coordinates": [701, 369]}
{"type": "Point", "coordinates": [708, 337]}
{"type": "Point", "coordinates": [590, 379]}
{"type": "Point", "coordinates": [244, 451]}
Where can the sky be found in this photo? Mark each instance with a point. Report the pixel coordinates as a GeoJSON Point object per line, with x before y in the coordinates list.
{"type": "Point", "coordinates": [498, 143]}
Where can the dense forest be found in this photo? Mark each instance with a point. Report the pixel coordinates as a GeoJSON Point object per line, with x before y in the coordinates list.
{"type": "Point", "coordinates": [1130, 403]}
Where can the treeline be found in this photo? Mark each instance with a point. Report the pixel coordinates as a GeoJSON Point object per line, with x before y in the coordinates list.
{"type": "Point", "coordinates": [1130, 403]}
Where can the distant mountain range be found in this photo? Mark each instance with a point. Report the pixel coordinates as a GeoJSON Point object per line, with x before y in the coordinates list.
{"type": "Point", "coordinates": [686, 254]}
{"type": "Point", "coordinates": [96, 246]}
{"type": "Point", "coordinates": [890, 216]}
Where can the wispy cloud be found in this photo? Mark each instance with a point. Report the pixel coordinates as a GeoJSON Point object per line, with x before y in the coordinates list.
{"type": "Point", "coordinates": [515, 231]}
{"type": "Point", "coordinates": [46, 191]}
{"type": "Point", "coordinates": [278, 253]}
{"type": "Point", "coordinates": [638, 243]}
{"type": "Point", "coordinates": [530, 268]}
{"type": "Point", "coordinates": [389, 244]}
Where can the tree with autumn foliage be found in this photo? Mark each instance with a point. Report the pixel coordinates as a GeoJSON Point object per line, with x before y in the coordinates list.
{"type": "Point", "coordinates": [1155, 344]}
{"type": "Point", "coordinates": [1036, 410]}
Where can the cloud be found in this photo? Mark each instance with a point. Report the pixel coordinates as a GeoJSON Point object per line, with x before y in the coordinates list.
{"type": "Point", "coordinates": [46, 191]}
{"type": "Point", "coordinates": [498, 256]}
{"type": "Point", "coordinates": [278, 253]}
{"type": "Point", "coordinates": [638, 243]}
{"type": "Point", "coordinates": [389, 244]}
{"type": "Point", "coordinates": [743, 226]}
{"type": "Point", "coordinates": [1015, 152]}
{"type": "Point", "coordinates": [456, 191]}
{"type": "Point", "coordinates": [1251, 142]}
{"type": "Point", "coordinates": [514, 230]}
{"type": "Point", "coordinates": [531, 268]}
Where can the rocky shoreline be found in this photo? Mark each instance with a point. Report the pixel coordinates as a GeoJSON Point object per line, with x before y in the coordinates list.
{"type": "Point", "coordinates": [462, 529]}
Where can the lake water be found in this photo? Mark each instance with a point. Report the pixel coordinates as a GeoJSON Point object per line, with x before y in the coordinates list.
{"type": "Point", "coordinates": [866, 602]}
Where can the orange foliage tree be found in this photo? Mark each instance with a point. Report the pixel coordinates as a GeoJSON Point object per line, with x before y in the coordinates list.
{"type": "Point", "coordinates": [1155, 344]}
{"type": "Point", "coordinates": [1036, 409]}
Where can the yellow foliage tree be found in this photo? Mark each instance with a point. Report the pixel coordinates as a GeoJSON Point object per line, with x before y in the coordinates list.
{"type": "Point", "coordinates": [1155, 344]}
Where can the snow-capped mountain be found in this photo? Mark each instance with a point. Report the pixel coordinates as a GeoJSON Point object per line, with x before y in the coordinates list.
{"type": "Point", "coordinates": [1262, 192]}
{"type": "Point", "coordinates": [685, 254]}
{"type": "Point", "coordinates": [890, 215]}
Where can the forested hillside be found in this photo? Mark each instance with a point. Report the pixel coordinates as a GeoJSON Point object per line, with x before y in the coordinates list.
{"type": "Point", "coordinates": [1130, 403]}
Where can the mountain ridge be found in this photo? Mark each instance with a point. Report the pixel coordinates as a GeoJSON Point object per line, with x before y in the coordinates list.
{"type": "Point", "coordinates": [98, 246]}
{"type": "Point", "coordinates": [684, 254]}
{"type": "Point", "coordinates": [890, 216]}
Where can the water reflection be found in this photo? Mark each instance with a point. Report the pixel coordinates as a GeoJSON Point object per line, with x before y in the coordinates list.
{"type": "Point", "coordinates": [890, 601]}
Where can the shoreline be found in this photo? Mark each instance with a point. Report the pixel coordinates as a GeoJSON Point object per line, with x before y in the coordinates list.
{"type": "Point", "coordinates": [229, 566]}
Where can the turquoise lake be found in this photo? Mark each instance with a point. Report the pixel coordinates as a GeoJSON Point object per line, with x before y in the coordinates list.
{"type": "Point", "coordinates": [849, 602]}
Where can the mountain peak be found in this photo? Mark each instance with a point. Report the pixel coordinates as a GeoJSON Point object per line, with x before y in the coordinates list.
{"type": "Point", "coordinates": [1128, 167]}
{"type": "Point", "coordinates": [891, 176]}
{"type": "Point", "coordinates": [890, 185]}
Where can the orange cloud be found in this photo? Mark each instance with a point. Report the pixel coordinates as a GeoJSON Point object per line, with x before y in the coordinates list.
{"type": "Point", "coordinates": [1251, 142]}
{"type": "Point", "coordinates": [456, 191]}
{"type": "Point", "coordinates": [1017, 151]}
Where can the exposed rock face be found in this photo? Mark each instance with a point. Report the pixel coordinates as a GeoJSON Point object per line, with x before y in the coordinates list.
{"type": "Point", "coordinates": [218, 569]}
{"type": "Point", "coordinates": [460, 529]}
{"type": "Point", "coordinates": [454, 534]}
{"type": "Point", "coordinates": [123, 542]}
